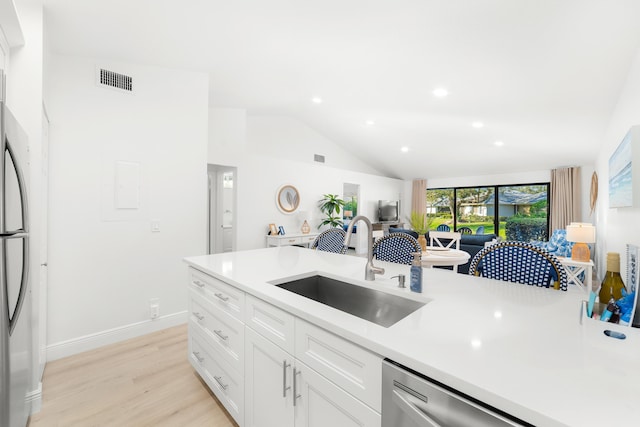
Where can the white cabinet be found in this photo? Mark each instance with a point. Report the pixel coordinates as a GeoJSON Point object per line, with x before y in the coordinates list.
{"type": "Point", "coordinates": [282, 391]}
{"type": "Point", "coordinates": [224, 381]}
{"type": "Point", "coordinates": [355, 369]}
{"type": "Point", "coordinates": [272, 369]}
{"type": "Point", "coordinates": [268, 383]}
{"type": "Point", "coordinates": [216, 339]}
{"type": "Point", "coordinates": [323, 404]}
{"type": "Point", "coordinates": [291, 239]}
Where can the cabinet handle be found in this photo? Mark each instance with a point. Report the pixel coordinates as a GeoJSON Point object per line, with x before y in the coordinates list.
{"type": "Point", "coordinates": [219, 381]}
{"type": "Point", "coordinates": [197, 355]}
{"type": "Point", "coordinates": [219, 333]}
{"type": "Point", "coordinates": [198, 315]}
{"type": "Point", "coordinates": [199, 283]}
{"type": "Point", "coordinates": [285, 365]}
{"type": "Point", "coordinates": [295, 392]}
{"type": "Point", "coordinates": [222, 297]}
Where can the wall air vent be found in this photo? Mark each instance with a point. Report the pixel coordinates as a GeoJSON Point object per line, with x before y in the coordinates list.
{"type": "Point", "coordinates": [115, 80]}
{"type": "Point", "coordinates": [318, 158]}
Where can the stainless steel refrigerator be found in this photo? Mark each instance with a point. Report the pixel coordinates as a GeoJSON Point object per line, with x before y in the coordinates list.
{"type": "Point", "coordinates": [15, 295]}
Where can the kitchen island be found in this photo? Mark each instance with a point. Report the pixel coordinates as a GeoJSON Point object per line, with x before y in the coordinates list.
{"type": "Point", "coordinates": [521, 349]}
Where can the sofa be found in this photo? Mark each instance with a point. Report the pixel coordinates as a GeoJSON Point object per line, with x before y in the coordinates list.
{"type": "Point", "coordinates": [470, 243]}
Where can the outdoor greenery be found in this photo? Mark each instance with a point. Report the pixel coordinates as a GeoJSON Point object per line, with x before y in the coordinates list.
{"type": "Point", "coordinates": [330, 205]}
{"type": "Point", "coordinates": [351, 205]}
{"type": "Point", "coordinates": [476, 206]}
{"type": "Point", "coordinates": [526, 229]}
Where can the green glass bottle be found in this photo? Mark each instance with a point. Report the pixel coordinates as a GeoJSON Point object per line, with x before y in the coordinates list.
{"type": "Point", "coordinates": [612, 285]}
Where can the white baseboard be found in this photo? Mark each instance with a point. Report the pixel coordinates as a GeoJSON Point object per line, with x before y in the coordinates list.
{"type": "Point", "coordinates": [111, 336]}
{"type": "Point", "coordinates": [34, 399]}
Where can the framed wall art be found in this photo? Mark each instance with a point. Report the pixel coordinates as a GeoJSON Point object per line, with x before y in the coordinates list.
{"type": "Point", "coordinates": [621, 178]}
{"type": "Point", "coordinates": [287, 199]}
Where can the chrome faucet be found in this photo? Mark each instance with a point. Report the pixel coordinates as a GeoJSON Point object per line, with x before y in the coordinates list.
{"type": "Point", "coordinates": [370, 270]}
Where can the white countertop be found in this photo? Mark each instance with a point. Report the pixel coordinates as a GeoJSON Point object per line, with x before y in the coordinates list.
{"type": "Point", "coordinates": [519, 348]}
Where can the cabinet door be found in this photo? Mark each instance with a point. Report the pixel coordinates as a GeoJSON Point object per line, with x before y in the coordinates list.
{"type": "Point", "coordinates": [320, 403]}
{"type": "Point", "coordinates": [268, 383]}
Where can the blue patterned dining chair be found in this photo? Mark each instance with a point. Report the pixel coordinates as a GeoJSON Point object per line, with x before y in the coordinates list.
{"type": "Point", "coordinates": [331, 240]}
{"type": "Point", "coordinates": [480, 230]}
{"type": "Point", "coordinates": [443, 227]}
{"type": "Point", "coordinates": [396, 247]}
{"type": "Point", "coordinates": [519, 262]}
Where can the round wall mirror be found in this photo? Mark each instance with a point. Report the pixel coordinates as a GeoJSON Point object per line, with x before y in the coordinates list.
{"type": "Point", "coordinates": [287, 199]}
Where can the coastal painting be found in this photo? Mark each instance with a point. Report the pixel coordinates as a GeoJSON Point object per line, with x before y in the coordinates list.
{"type": "Point", "coordinates": [621, 174]}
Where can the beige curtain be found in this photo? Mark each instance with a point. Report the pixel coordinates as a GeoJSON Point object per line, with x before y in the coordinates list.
{"type": "Point", "coordinates": [565, 197]}
{"type": "Point", "coordinates": [419, 196]}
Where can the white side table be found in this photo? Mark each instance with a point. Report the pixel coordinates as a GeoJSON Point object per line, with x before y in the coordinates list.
{"type": "Point", "coordinates": [291, 239]}
{"type": "Point", "coordinates": [574, 269]}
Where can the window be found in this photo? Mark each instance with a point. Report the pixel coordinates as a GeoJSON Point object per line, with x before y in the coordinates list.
{"type": "Point", "coordinates": [522, 210]}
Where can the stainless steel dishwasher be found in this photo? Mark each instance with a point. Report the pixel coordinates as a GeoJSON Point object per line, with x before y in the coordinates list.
{"type": "Point", "coordinates": [410, 399]}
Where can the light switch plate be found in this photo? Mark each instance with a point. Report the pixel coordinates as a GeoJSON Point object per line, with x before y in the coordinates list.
{"type": "Point", "coordinates": [155, 225]}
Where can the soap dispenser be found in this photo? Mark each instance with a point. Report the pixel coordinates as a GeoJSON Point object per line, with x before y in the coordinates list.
{"type": "Point", "coordinates": [416, 273]}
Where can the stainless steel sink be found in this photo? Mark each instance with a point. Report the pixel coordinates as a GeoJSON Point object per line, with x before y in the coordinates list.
{"type": "Point", "coordinates": [368, 304]}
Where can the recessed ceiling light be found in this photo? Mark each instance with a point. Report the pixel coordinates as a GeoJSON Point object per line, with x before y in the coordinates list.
{"type": "Point", "coordinates": [498, 143]}
{"type": "Point", "coordinates": [477, 125]}
{"type": "Point", "coordinates": [370, 122]}
{"type": "Point", "coordinates": [404, 149]}
{"type": "Point", "coordinates": [316, 100]}
{"type": "Point", "coordinates": [440, 92]}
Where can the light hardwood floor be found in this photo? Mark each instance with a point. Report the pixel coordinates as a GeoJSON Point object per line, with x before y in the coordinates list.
{"type": "Point", "coordinates": [145, 381]}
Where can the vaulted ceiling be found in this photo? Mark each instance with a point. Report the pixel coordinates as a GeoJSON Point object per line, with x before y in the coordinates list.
{"type": "Point", "coordinates": [542, 76]}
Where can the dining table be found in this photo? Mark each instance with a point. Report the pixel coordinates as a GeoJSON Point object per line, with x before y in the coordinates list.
{"type": "Point", "coordinates": [435, 255]}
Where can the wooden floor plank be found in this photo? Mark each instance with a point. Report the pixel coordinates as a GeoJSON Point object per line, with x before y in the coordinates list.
{"type": "Point", "coordinates": [146, 381]}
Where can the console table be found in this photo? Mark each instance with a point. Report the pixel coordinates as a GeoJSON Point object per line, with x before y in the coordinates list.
{"type": "Point", "coordinates": [291, 239]}
{"type": "Point", "coordinates": [575, 270]}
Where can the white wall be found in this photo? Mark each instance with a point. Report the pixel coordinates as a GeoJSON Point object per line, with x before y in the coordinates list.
{"type": "Point", "coordinates": [617, 226]}
{"type": "Point", "coordinates": [270, 151]}
{"type": "Point", "coordinates": [105, 263]}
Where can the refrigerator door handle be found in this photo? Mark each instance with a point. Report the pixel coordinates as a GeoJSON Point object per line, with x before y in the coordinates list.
{"type": "Point", "coordinates": [15, 234]}
{"type": "Point", "coordinates": [23, 234]}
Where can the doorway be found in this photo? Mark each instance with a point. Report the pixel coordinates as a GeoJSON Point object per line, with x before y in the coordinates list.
{"type": "Point", "coordinates": [222, 184]}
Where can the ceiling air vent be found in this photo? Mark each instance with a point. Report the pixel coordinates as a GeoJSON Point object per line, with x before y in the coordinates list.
{"type": "Point", "coordinates": [318, 158]}
{"type": "Point", "coordinates": [115, 80]}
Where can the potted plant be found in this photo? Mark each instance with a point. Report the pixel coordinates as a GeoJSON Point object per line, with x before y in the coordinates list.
{"type": "Point", "coordinates": [420, 223]}
{"type": "Point", "coordinates": [330, 205]}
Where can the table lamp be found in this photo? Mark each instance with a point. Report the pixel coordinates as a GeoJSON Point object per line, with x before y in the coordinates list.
{"type": "Point", "coordinates": [581, 233]}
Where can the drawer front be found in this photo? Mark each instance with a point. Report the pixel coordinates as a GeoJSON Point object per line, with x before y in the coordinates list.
{"type": "Point", "coordinates": [224, 332]}
{"type": "Point", "coordinates": [307, 240]}
{"type": "Point", "coordinates": [351, 367]}
{"type": "Point", "coordinates": [223, 381]}
{"type": "Point", "coordinates": [223, 296]}
{"type": "Point", "coordinates": [269, 321]}
{"type": "Point", "coordinates": [289, 241]}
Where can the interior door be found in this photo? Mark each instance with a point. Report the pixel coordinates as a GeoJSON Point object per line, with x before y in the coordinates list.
{"type": "Point", "coordinates": [222, 208]}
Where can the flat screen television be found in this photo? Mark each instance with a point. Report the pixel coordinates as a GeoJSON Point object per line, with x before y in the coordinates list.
{"type": "Point", "coordinates": [388, 210]}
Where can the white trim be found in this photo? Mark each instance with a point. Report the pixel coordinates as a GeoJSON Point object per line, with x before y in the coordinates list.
{"type": "Point", "coordinates": [34, 399]}
{"type": "Point", "coordinates": [110, 336]}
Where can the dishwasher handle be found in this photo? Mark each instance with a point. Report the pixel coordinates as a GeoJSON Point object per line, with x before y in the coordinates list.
{"type": "Point", "coordinates": [410, 406]}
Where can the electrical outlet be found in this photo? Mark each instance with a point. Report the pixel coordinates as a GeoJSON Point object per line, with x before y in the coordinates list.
{"type": "Point", "coordinates": [154, 308]}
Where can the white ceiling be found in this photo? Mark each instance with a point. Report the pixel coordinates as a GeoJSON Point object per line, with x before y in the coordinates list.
{"type": "Point", "coordinates": [543, 76]}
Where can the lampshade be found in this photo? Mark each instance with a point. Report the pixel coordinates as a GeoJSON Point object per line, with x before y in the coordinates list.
{"type": "Point", "coordinates": [581, 232]}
